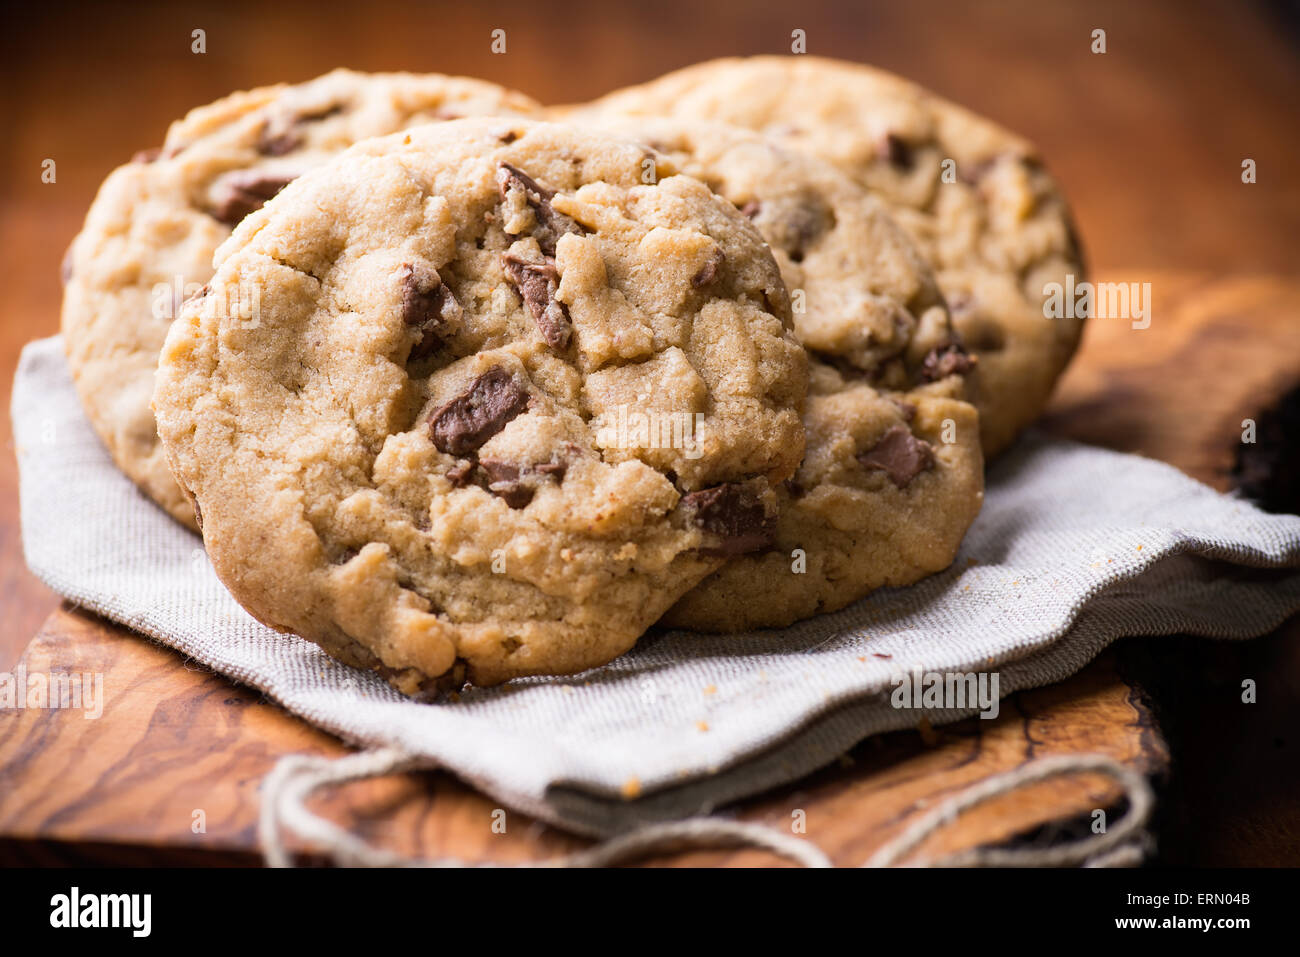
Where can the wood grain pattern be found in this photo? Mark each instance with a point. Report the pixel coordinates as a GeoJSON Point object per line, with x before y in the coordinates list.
{"type": "Point", "coordinates": [1148, 140]}
{"type": "Point", "coordinates": [174, 739]}
{"type": "Point", "coordinates": [1217, 352]}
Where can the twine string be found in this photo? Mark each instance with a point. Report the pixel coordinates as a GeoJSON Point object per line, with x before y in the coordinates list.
{"type": "Point", "coordinates": [296, 777]}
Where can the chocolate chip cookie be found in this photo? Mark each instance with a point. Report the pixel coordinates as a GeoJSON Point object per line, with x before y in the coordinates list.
{"type": "Point", "coordinates": [151, 233]}
{"type": "Point", "coordinates": [975, 197]}
{"type": "Point", "coordinates": [892, 476]}
{"type": "Point", "coordinates": [889, 485]}
{"type": "Point", "coordinates": [478, 400]}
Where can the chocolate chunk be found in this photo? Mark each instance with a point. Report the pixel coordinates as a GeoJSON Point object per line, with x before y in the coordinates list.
{"type": "Point", "coordinates": [277, 143]}
{"type": "Point", "coordinates": [897, 151]}
{"type": "Point", "coordinates": [512, 177]}
{"type": "Point", "coordinates": [537, 284]}
{"type": "Point", "coordinates": [905, 409]}
{"type": "Point", "coordinates": [480, 412]}
{"type": "Point", "coordinates": [796, 224]}
{"type": "Point", "coordinates": [458, 475]}
{"type": "Point", "coordinates": [517, 484]}
{"type": "Point", "coordinates": [503, 480]}
{"type": "Point", "coordinates": [551, 225]}
{"type": "Point", "coordinates": [901, 454]}
{"type": "Point", "coordinates": [972, 173]}
{"type": "Point", "coordinates": [735, 515]}
{"type": "Point", "coordinates": [708, 273]}
{"type": "Point", "coordinates": [943, 361]}
{"type": "Point", "coordinates": [147, 156]}
{"type": "Point", "coordinates": [805, 227]}
{"type": "Point", "coordinates": [513, 494]}
{"type": "Point", "coordinates": [282, 133]}
{"type": "Point", "coordinates": [497, 470]}
{"type": "Point", "coordinates": [428, 305]}
{"type": "Point", "coordinates": [241, 192]}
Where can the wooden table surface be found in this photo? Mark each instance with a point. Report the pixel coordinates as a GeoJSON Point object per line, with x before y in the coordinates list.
{"type": "Point", "coordinates": [1148, 140]}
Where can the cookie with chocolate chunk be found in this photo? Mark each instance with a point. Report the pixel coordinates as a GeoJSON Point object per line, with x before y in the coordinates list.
{"type": "Point", "coordinates": [865, 299]}
{"type": "Point", "coordinates": [151, 233]}
{"type": "Point", "coordinates": [975, 197]}
{"type": "Point", "coordinates": [883, 497]}
{"type": "Point", "coordinates": [892, 476]}
{"type": "Point", "coordinates": [476, 401]}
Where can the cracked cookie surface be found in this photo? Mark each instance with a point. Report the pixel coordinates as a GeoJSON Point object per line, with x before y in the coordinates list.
{"type": "Point", "coordinates": [975, 197]}
{"type": "Point", "coordinates": [150, 235]}
{"type": "Point", "coordinates": [475, 401]}
{"type": "Point", "coordinates": [892, 476]}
